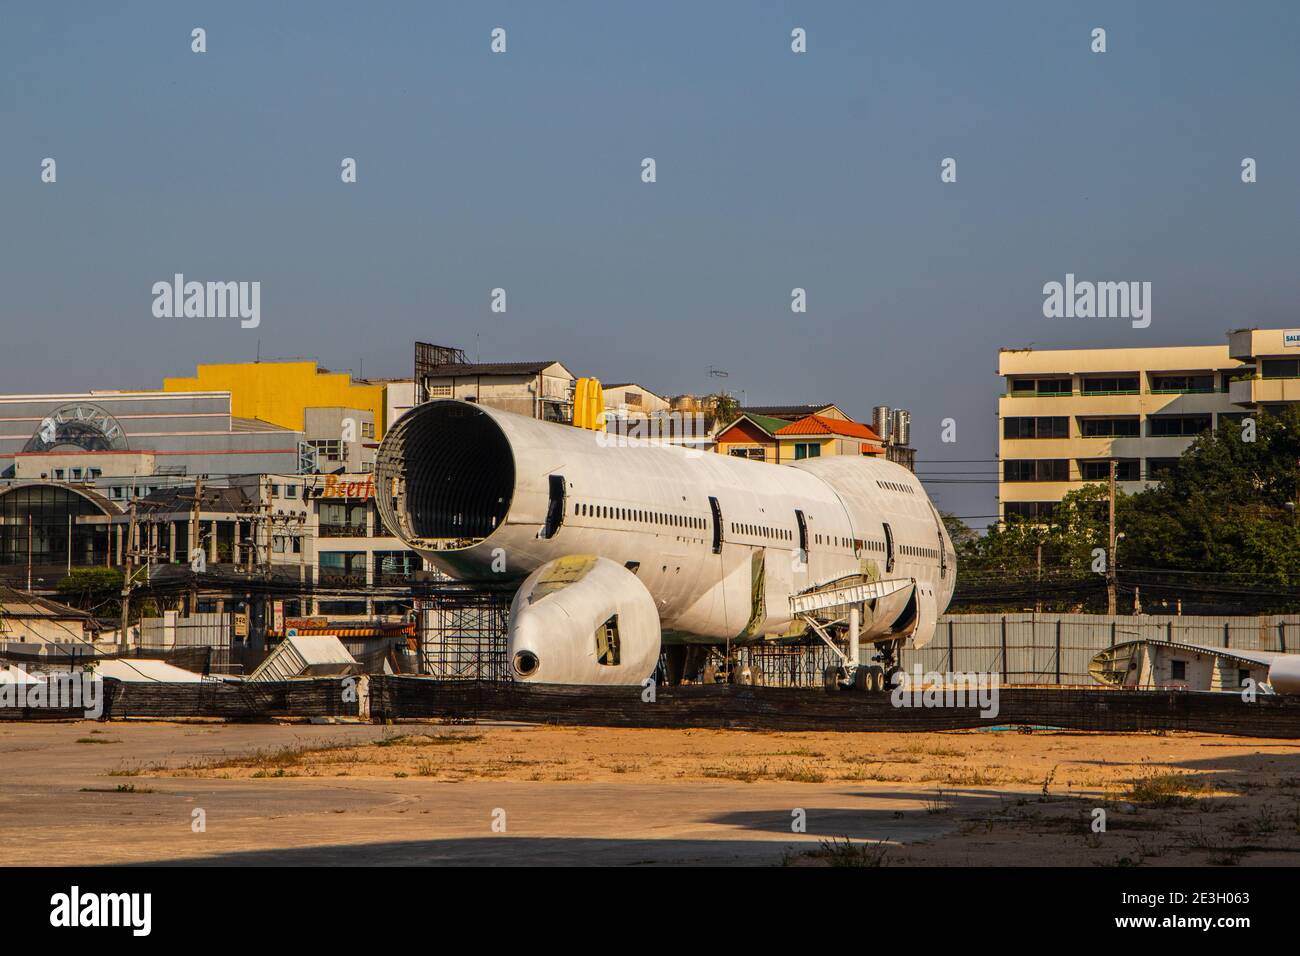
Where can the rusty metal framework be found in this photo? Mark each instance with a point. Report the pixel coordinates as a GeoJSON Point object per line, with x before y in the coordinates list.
{"type": "Point", "coordinates": [788, 665]}
{"type": "Point", "coordinates": [429, 356]}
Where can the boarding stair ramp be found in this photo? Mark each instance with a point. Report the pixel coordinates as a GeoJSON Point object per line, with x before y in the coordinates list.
{"type": "Point", "coordinates": [820, 606]}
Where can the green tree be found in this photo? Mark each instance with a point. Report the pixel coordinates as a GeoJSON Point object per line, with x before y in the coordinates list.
{"type": "Point", "coordinates": [99, 591]}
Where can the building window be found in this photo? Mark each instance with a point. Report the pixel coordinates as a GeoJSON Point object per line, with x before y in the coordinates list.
{"type": "Point", "coordinates": [439, 391]}
{"type": "Point", "coordinates": [1169, 426]}
{"type": "Point", "coordinates": [1178, 670]}
{"type": "Point", "coordinates": [46, 516]}
{"type": "Point", "coordinates": [395, 568]}
{"type": "Point", "coordinates": [1040, 386]}
{"type": "Point", "coordinates": [367, 429]}
{"type": "Point", "coordinates": [1126, 469]}
{"type": "Point", "coordinates": [327, 449]}
{"type": "Point", "coordinates": [291, 491]}
{"type": "Point", "coordinates": [1045, 469]}
{"type": "Point", "coordinates": [1111, 385]}
{"type": "Point", "coordinates": [342, 519]}
{"type": "Point", "coordinates": [1182, 384]}
{"type": "Point", "coordinates": [1159, 469]}
{"type": "Point", "coordinates": [1127, 427]}
{"type": "Point", "coordinates": [1029, 510]}
{"type": "Point", "coordinates": [1053, 427]}
{"type": "Point", "coordinates": [343, 567]}
{"type": "Point", "coordinates": [754, 453]}
{"type": "Point", "coordinates": [1280, 368]}
{"type": "Point", "coordinates": [807, 450]}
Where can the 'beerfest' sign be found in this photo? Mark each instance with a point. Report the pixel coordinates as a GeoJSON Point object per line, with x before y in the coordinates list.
{"type": "Point", "coordinates": [337, 488]}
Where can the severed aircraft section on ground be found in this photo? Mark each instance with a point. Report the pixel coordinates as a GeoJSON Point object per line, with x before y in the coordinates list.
{"type": "Point", "coordinates": [625, 548]}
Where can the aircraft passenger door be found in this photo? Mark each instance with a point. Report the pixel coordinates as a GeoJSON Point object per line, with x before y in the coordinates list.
{"type": "Point", "coordinates": [554, 507]}
{"type": "Point", "coordinates": [943, 548]}
{"type": "Point", "coordinates": [716, 509]}
{"type": "Point", "coordinates": [889, 549]}
{"type": "Point", "coordinates": [803, 530]}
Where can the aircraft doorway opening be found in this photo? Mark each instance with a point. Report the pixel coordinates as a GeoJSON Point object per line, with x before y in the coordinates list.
{"type": "Point", "coordinates": [554, 507]}
{"type": "Point", "coordinates": [803, 530]}
{"type": "Point", "coordinates": [716, 509]}
{"type": "Point", "coordinates": [889, 549]}
{"type": "Point", "coordinates": [607, 644]}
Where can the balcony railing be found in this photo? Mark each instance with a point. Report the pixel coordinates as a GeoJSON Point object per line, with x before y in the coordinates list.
{"type": "Point", "coordinates": [1102, 394]}
{"type": "Point", "coordinates": [342, 531]}
{"type": "Point", "coordinates": [341, 579]}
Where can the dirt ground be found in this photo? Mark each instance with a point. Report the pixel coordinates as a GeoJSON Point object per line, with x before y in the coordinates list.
{"type": "Point", "coordinates": [347, 793]}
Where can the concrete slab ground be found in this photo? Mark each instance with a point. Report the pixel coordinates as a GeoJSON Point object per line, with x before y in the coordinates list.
{"type": "Point", "coordinates": [129, 792]}
{"type": "Point", "coordinates": [59, 804]}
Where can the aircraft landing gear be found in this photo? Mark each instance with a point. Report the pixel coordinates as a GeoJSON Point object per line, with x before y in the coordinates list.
{"type": "Point", "coordinates": [888, 657]}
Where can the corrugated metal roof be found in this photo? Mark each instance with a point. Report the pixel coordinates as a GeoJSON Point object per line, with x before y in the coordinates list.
{"type": "Point", "coordinates": [462, 369]}
{"type": "Point", "coordinates": [21, 604]}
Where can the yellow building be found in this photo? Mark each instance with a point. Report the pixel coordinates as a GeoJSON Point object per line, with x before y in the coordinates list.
{"type": "Point", "coordinates": [278, 392]}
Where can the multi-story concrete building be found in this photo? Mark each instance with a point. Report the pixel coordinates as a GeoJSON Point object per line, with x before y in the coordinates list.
{"type": "Point", "coordinates": [109, 434]}
{"type": "Point", "coordinates": [1066, 412]}
{"type": "Point", "coordinates": [1273, 358]}
{"type": "Point", "coordinates": [538, 389]}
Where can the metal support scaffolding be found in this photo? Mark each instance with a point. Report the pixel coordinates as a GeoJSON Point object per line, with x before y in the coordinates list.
{"type": "Point", "coordinates": [464, 636]}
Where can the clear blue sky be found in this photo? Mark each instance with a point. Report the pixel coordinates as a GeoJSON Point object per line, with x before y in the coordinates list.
{"type": "Point", "coordinates": [523, 171]}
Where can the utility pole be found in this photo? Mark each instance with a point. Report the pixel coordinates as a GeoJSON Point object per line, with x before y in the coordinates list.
{"type": "Point", "coordinates": [129, 560]}
{"type": "Point", "coordinates": [193, 540]}
{"type": "Point", "coordinates": [1110, 552]}
{"type": "Point", "coordinates": [1038, 586]}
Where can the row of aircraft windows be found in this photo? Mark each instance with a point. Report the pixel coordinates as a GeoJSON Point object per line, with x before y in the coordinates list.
{"type": "Point", "coordinates": [761, 531]}
{"type": "Point", "coordinates": [895, 486]}
{"type": "Point", "coordinates": [915, 552]}
{"type": "Point", "coordinates": [584, 510]}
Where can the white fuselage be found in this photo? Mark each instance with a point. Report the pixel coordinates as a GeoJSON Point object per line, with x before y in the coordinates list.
{"type": "Point", "coordinates": [649, 507]}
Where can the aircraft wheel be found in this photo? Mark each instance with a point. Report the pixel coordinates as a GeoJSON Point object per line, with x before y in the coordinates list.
{"type": "Point", "coordinates": [869, 679]}
{"type": "Point", "coordinates": [833, 677]}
